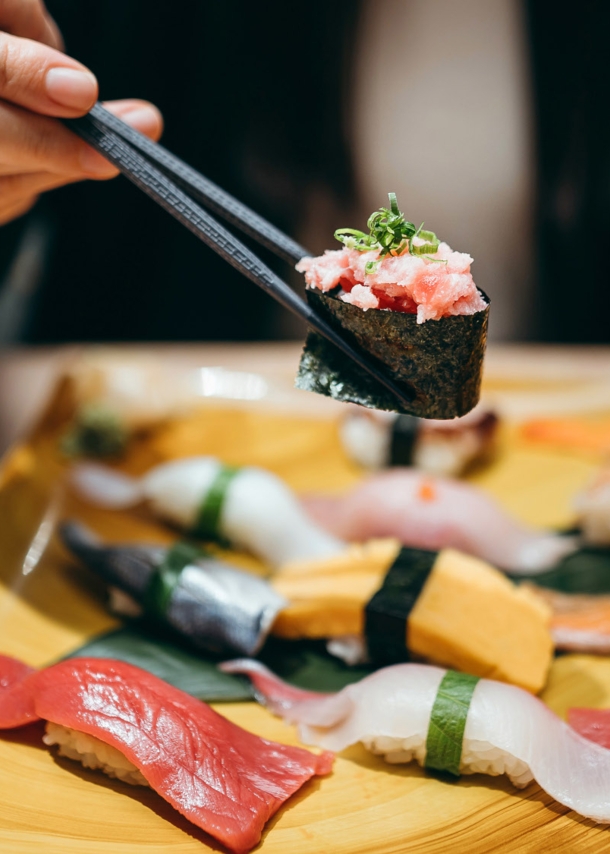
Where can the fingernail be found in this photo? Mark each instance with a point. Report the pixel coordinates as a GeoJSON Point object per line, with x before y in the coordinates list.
{"type": "Point", "coordinates": [144, 119]}
{"type": "Point", "coordinates": [71, 88]}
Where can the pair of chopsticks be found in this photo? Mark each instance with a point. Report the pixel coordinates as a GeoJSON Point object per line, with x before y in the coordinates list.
{"type": "Point", "coordinates": [178, 189]}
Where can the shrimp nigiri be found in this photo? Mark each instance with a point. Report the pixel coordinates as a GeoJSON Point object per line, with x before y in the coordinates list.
{"type": "Point", "coordinates": [434, 513]}
{"type": "Point", "coordinates": [416, 711]}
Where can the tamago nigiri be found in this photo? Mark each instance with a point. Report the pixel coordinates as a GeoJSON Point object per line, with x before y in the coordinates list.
{"type": "Point", "coordinates": [376, 602]}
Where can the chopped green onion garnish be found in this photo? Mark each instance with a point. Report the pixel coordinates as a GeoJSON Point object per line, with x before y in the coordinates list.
{"type": "Point", "coordinates": [391, 234]}
{"type": "Point", "coordinates": [354, 239]}
{"type": "Point", "coordinates": [424, 248]}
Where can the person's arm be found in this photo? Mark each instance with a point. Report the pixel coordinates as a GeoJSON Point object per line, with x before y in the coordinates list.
{"type": "Point", "coordinates": [39, 84]}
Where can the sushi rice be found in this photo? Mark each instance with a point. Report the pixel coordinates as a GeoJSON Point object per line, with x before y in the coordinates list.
{"type": "Point", "coordinates": [92, 753]}
{"type": "Point", "coordinates": [478, 757]}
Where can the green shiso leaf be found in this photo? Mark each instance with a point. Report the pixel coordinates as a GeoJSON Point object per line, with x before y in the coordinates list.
{"type": "Point", "coordinates": [167, 575]}
{"type": "Point", "coordinates": [448, 721]}
{"type": "Point", "coordinates": [97, 431]}
{"type": "Point", "coordinates": [305, 664]}
{"type": "Point", "coordinates": [186, 670]}
{"type": "Point", "coordinates": [308, 665]}
{"type": "Point", "coordinates": [208, 520]}
{"type": "Point", "coordinates": [584, 571]}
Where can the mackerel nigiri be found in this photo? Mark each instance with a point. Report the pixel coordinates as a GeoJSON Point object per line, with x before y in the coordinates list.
{"type": "Point", "coordinates": [248, 507]}
{"type": "Point", "coordinates": [126, 722]}
{"type": "Point", "coordinates": [434, 513]}
{"type": "Point", "coordinates": [218, 607]}
{"type": "Point", "coordinates": [450, 722]}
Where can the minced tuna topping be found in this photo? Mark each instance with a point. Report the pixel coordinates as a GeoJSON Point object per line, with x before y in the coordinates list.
{"type": "Point", "coordinates": [396, 267]}
{"type": "Point", "coordinates": [405, 282]}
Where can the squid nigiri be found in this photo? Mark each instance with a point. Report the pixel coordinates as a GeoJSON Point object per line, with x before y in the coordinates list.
{"type": "Point", "coordinates": [434, 513]}
{"type": "Point", "coordinates": [248, 507]}
{"type": "Point", "coordinates": [115, 717]}
{"type": "Point", "coordinates": [449, 722]}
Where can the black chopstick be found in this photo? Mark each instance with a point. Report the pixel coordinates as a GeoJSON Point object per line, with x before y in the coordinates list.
{"type": "Point", "coordinates": [203, 190]}
{"type": "Point", "coordinates": [156, 184]}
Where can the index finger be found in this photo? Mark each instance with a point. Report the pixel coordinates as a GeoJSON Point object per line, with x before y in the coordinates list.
{"type": "Point", "coordinates": [41, 79]}
{"type": "Point", "coordinates": [30, 20]}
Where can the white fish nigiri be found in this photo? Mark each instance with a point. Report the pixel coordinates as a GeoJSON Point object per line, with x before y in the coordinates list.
{"type": "Point", "coordinates": [378, 440]}
{"type": "Point", "coordinates": [507, 731]}
{"type": "Point", "coordinates": [434, 513]}
{"type": "Point", "coordinates": [258, 511]}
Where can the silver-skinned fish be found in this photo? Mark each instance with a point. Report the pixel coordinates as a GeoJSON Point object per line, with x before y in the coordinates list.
{"type": "Point", "coordinates": [218, 607]}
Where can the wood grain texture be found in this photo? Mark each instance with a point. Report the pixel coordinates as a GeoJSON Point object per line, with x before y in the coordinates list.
{"type": "Point", "coordinates": [48, 606]}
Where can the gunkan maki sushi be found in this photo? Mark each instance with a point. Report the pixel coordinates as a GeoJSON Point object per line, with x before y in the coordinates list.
{"type": "Point", "coordinates": [407, 299]}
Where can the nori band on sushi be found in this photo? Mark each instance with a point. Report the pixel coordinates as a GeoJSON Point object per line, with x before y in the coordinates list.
{"type": "Point", "coordinates": [403, 438]}
{"type": "Point", "coordinates": [208, 519]}
{"type": "Point", "coordinates": [387, 612]}
{"type": "Point", "coordinates": [448, 722]}
{"type": "Point", "coordinates": [439, 362]}
{"type": "Point", "coordinates": [165, 578]}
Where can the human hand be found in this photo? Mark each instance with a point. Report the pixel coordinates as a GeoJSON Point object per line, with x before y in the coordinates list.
{"type": "Point", "coordinates": [39, 84]}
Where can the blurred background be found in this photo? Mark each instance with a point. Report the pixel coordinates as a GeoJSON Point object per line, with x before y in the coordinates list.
{"type": "Point", "coordinates": [488, 119]}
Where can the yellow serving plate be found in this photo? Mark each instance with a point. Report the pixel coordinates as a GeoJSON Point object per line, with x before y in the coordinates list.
{"type": "Point", "coordinates": [48, 607]}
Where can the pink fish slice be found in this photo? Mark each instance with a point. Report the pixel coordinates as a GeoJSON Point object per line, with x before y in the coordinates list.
{"type": "Point", "coordinates": [434, 513]}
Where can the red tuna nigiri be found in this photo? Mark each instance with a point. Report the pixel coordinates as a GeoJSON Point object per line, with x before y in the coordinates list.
{"type": "Point", "coordinates": [593, 724]}
{"type": "Point", "coordinates": [222, 778]}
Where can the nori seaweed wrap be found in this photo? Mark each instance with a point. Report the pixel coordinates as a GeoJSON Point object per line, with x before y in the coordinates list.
{"type": "Point", "coordinates": [407, 302]}
{"type": "Point", "coordinates": [441, 361]}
